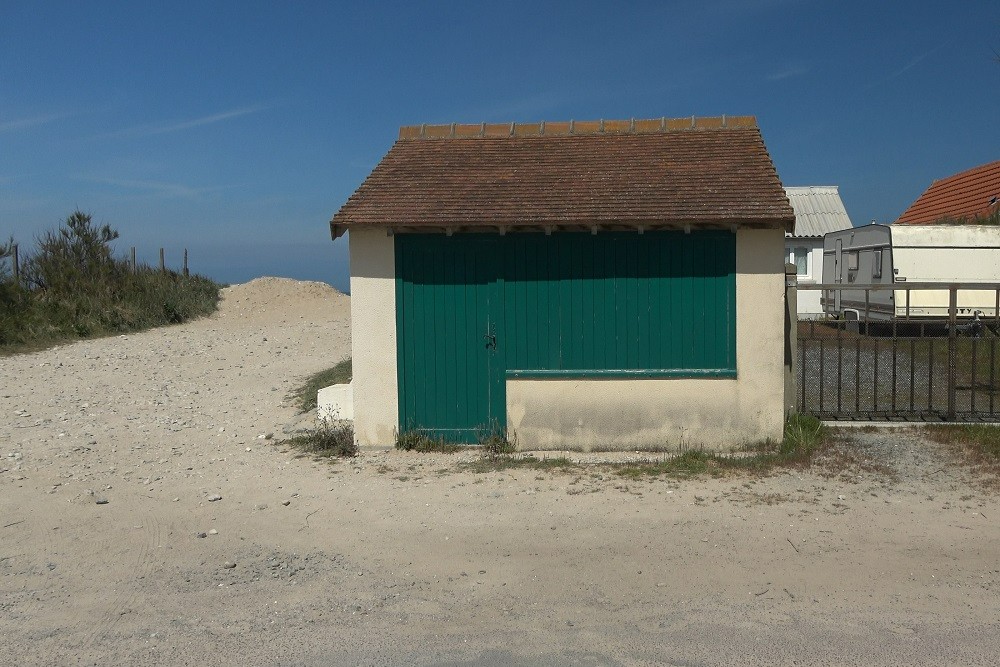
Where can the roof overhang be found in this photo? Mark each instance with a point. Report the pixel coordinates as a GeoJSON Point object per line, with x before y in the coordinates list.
{"type": "Point", "coordinates": [338, 230]}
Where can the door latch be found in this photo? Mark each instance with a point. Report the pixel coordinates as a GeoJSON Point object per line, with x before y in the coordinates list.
{"type": "Point", "coordinates": [491, 341]}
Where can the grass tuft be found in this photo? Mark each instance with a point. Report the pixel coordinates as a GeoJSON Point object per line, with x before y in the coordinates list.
{"type": "Point", "coordinates": [805, 440]}
{"type": "Point", "coordinates": [982, 439]}
{"type": "Point", "coordinates": [413, 440]}
{"type": "Point", "coordinates": [330, 439]}
{"type": "Point", "coordinates": [496, 443]}
{"type": "Point", "coordinates": [692, 463]}
{"type": "Point", "coordinates": [803, 436]}
{"type": "Point", "coordinates": [507, 462]}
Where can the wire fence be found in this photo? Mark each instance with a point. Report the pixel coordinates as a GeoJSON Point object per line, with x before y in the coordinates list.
{"type": "Point", "coordinates": [15, 259]}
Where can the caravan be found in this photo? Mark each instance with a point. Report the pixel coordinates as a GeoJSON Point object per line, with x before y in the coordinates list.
{"type": "Point", "coordinates": [906, 254]}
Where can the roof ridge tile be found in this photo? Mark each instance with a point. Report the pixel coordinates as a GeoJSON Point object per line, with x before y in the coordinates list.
{"type": "Point", "coordinates": [575, 127]}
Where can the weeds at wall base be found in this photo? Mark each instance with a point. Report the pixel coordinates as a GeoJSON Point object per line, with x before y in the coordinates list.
{"type": "Point", "coordinates": [413, 440]}
{"type": "Point", "coordinates": [329, 439]}
{"type": "Point", "coordinates": [982, 439]}
{"type": "Point", "coordinates": [804, 438]}
{"type": "Point", "coordinates": [496, 443]}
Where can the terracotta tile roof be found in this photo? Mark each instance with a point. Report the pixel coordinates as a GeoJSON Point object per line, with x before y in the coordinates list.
{"type": "Point", "coordinates": [967, 196]}
{"type": "Point", "coordinates": [634, 173]}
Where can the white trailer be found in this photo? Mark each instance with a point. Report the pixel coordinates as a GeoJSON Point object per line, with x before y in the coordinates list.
{"type": "Point", "coordinates": [901, 254]}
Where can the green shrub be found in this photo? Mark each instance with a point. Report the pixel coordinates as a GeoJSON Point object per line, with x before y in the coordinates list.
{"type": "Point", "coordinates": [72, 286]}
{"type": "Point", "coordinates": [993, 218]}
{"type": "Point", "coordinates": [75, 259]}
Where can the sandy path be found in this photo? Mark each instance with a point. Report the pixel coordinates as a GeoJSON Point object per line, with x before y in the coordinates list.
{"type": "Point", "coordinates": [404, 559]}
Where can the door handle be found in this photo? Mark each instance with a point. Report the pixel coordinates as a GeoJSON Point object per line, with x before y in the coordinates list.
{"type": "Point", "coordinates": [491, 341]}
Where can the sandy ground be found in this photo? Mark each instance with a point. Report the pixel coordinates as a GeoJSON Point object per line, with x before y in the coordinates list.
{"type": "Point", "coordinates": [396, 558]}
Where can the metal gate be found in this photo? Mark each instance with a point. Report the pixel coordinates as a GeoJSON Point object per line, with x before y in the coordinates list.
{"type": "Point", "coordinates": [916, 351]}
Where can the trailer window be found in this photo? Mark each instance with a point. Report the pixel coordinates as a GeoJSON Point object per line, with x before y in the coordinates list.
{"type": "Point", "coordinates": [852, 261]}
{"type": "Point", "coordinates": [877, 264]}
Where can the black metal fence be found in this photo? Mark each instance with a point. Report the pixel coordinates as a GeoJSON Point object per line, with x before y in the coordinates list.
{"type": "Point", "coordinates": [917, 351]}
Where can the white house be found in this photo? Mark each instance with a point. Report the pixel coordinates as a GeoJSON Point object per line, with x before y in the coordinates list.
{"type": "Point", "coordinates": [818, 210]}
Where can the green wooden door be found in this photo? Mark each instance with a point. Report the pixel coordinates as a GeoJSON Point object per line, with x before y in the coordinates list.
{"type": "Point", "coordinates": [448, 311]}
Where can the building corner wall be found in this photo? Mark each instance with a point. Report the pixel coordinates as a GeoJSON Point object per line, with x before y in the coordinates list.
{"type": "Point", "coordinates": [760, 333]}
{"type": "Point", "coordinates": [373, 336]}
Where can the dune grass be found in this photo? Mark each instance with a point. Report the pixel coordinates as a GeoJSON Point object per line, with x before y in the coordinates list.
{"type": "Point", "coordinates": [304, 396]}
{"type": "Point", "coordinates": [977, 444]}
{"type": "Point", "coordinates": [72, 286]}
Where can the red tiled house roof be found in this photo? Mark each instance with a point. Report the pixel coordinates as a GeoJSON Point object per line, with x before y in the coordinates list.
{"type": "Point", "coordinates": [697, 172]}
{"type": "Point", "coordinates": [965, 197]}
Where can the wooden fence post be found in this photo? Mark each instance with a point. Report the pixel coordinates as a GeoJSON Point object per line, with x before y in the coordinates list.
{"type": "Point", "coordinates": [133, 260]}
{"type": "Point", "coordinates": [163, 267]}
{"type": "Point", "coordinates": [17, 265]}
{"type": "Point", "coordinates": [185, 262]}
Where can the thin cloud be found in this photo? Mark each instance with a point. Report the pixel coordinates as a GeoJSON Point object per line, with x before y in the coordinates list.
{"type": "Point", "coordinates": [786, 73]}
{"type": "Point", "coordinates": [178, 190]}
{"type": "Point", "coordinates": [910, 65]}
{"type": "Point", "coordinates": [916, 61]}
{"type": "Point", "coordinates": [23, 123]}
{"type": "Point", "coordinates": [730, 7]}
{"type": "Point", "coordinates": [179, 126]}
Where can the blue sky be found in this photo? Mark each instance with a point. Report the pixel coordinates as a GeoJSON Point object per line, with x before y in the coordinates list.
{"type": "Point", "coordinates": [237, 129]}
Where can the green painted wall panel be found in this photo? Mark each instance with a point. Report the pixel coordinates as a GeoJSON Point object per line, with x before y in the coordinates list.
{"type": "Point", "coordinates": [661, 300]}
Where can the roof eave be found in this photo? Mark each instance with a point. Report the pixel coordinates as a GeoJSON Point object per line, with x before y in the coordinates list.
{"type": "Point", "coordinates": [338, 229]}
